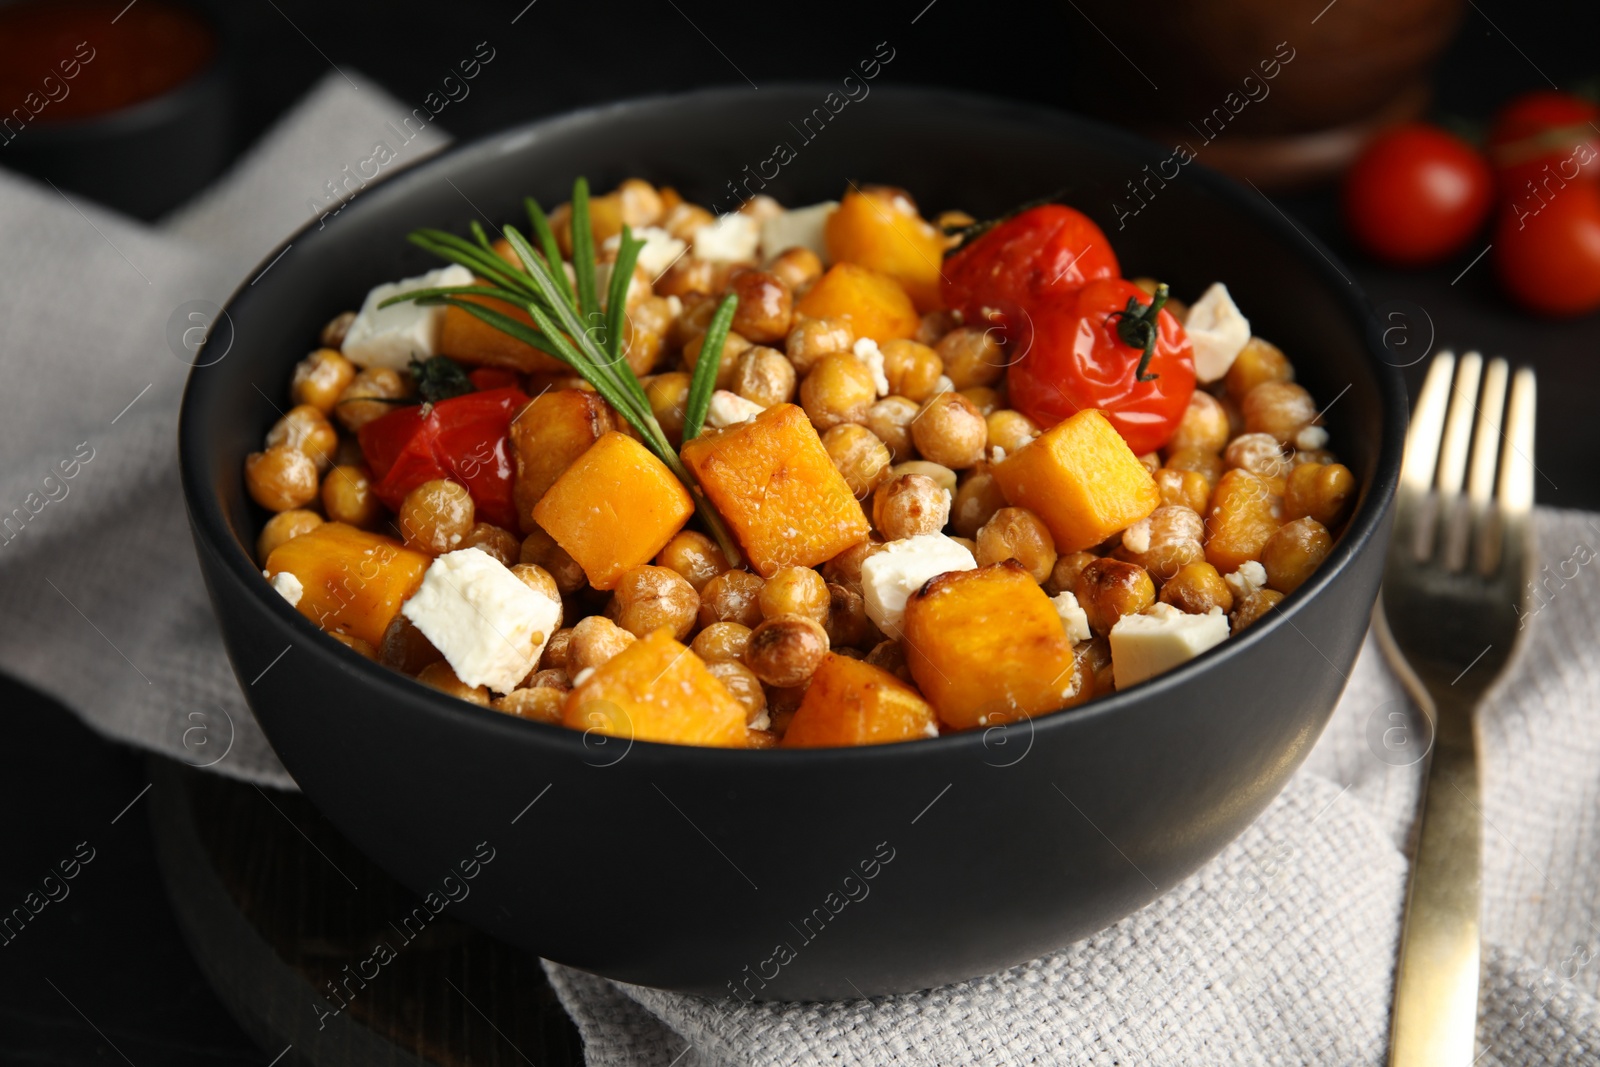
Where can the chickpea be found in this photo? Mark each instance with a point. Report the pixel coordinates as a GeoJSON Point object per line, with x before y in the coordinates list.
{"type": "Point", "coordinates": [556, 650]}
{"type": "Point", "coordinates": [732, 596]}
{"type": "Point", "coordinates": [693, 320]}
{"type": "Point", "coordinates": [1019, 534]}
{"type": "Point", "coordinates": [669, 397]}
{"type": "Point", "coordinates": [348, 497]}
{"type": "Point", "coordinates": [549, 678]}
{"type": "Point", "coordinates": [743, 685]}
{"type": "Point", "coordinates": [538, 704]}
{"type": "Point", "coordinates": [786, 650]}
{"type": "Point", "coordinates": [1204, 425]}
{"type": "Point", "coordinates": [647, 598]}
{"type": "Point", "coordinates": [1150, 461]}
{"type": "Point", "coordinates": [333, 333]}
{"type": "Point", "coordinates": [942, 476]}
{"type": "Point", "coordinates": [811, 339]}
{"type": "Point", "coordinates": [1280, 409]}
{"type": "Point", "coordinates": [1293, 552]}
{"type": "Point", "coordinates": [1108, 589]}
{"type": "Point", "coordinates": [782, 703]}
{"type": "Point", "coordinates": [986, 400]}
{"type": "Point", "coordinates": [1208, 465]}
{"type": "Point", "coordinates": [306, 428]}
{"type": "Point", "coordinates": [721, 641]}
{"type": "Point", "coordinates": [797, 268]}
{"type": "Point", "coordinates": [1250, 607]}
{"type": "Point", "coordinates": [404, 648]}
{"type": "Point", "coordinates": [732, 348]}
{"type": "Point", "coordinates": [838, 389]}
{"type": "Point", "coordinates": [595, 639]}
{"type": "Point", "coordinates": [542, 582]}
{"type": "Point", "coordinates": [890, 419]}
{"type": "Point", "coordinates": [1064, 575]}
{"type": "Point", "coordinates": [1259, 361]}
{"type": "Point", "coordinates": [320, 378]}
{"type": "Point", "coordinates": [284, 526]}
{"type": "Point", "coordinates": [682, 219]}
{"type": "Point", "coordinates": [1319, 491]}
{"type": "Point", "coordinates": [913, 369]}
{"type": "Point", "coordinates": [1260, 454]}
{"type": "Point", "coordinates": [1165, 541]}
{"type": "Point", "coordinates": [890, 655]}
{"type": "Point", "coordinates": [1235, 413]}
{"type": "Point", "coordinates": [1196, 589]}
{"type": "Point", "coordinates": [362, 400]}
{"type": "Point", "coordinates": [845, 568]}
{"type": "Point", "coordinates": [441, 677]}
{"type": "Point", "coordinates": [280, 478]}
{"type": "Point", "coordinates": [1187, 489]}
{"type": "Point", "coordinates": [355, 644]}
{"type": "Point", "coordinates": [950, 431]}
{"type": "Point", "coordinates": [847, 623]}
{"type": "Point", "coordinates": [794, 591]}
{"type": "Point", "coordinates": [908, 506]}
{"type": "Point", "coordinates": [1010, 430]}
{"type": "Point", "coordinates": [764, 375]}
{"type": "Point", "coordinates": [539, 548]}
{"type": "Point", "coordinates": [641, 204]}
{"type": "Point", "coordinates": [645, 330]}
{"type": "Point", "coordinates": [436, 516]}
{"type": "Point", "coordinates": [859, 456]}
{"type": "Point", "coordinates": [972, 356]}
{"type": "Point", "coordinates": [694, 556]}
{"type": "Point", "coordinates": [976, 501]}
{"type": "Point", "coordinates": [687, 276]}
{"type": "Point", "coordinates": [766, 306]}
{"type": "Point", "coordinates": [934, 325]}
{"type": "Point", "coordinates": [497, 541]}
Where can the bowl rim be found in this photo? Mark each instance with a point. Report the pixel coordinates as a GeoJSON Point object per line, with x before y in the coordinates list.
{"type": "Point", "coordinates": [210, 525]}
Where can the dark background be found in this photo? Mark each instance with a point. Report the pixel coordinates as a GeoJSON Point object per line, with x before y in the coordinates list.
{"type": "Point", "coordinates": [111, 952]}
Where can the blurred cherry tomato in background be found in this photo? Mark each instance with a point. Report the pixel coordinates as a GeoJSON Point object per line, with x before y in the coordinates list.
{"type": "Point", "coordinates": [1044, 250]}
{"type": "Point", "coordinates": [1539, 130]}
{"type": "Point", "coordinates": [1549, 260]}
{"type": "Point", "coordinates": [1416, 195]}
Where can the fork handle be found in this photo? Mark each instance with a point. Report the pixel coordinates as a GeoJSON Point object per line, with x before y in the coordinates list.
{"type": "Point", "coordinates": [1436, 984]}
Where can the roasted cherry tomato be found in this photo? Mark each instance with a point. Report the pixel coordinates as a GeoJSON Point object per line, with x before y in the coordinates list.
{"type": "Point", "coordinates": [1416, 195]}
{"type": "Point", "coordinates": [1110, 346]}
{"type": "Point", "coordinates": [486, 378]}
{"type": "Point", "coordinates": [1548, 259]}
{"type": "Point", "coordinates": [1046, 250]}
{"type": "Point", "coordinates": [1545, 138]}
{"type": "Point", "coordinates": [463, 439]}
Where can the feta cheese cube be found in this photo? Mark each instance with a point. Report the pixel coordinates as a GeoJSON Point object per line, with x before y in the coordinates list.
{"type": "Point", "coordinates": [1073, 617]}
{"type": "Point", "coordinates": [1217, 331]}
{"type": "Point", "coordinates": [393, 336]}
{"type": "Point", "coordinates": [890, 576]}
{"type": "Point", "coordinates": [1142, 646]}
{"type": "Point", "coordinates": [1247, 579]}
{"type": "Point", "coordinates": [288, 587]}
{"type": "Point", "coordinates": [799, 228]}
{"type": "Point", "coordinates": [867, 351]}
{"type": "Point", "coordinates": [490, 626]}
{"type": "Point", "coordinates": [661, 250]}
{"type": "Point", "coordinates": [729, 408]}
{"type": "Point", "coordinates": [733, 238]}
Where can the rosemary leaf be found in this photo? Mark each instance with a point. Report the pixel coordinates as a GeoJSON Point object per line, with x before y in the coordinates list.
{"type": "Point", "coordinates": [704, 382]}
{"type": "Point", "coordinates": [583, 253]}
{"type": "Point", "coordinates": [617, 298]}
{"type": "Point", "coordinates": [552, 251]}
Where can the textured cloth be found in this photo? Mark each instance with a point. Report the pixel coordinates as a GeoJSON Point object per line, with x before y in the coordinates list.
{"type": "Point", "coordinates": [1279, 951]}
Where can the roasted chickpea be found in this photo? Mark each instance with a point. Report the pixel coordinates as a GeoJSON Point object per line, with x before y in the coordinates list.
{"type": "Point", "coordinates": [890, 419]}
{"type": "Point", "coordinates": [742, 683]}
{"type": "Point", "coordinates": [838, 389]}
{"type": "Point", "coordinates": [404, 647]}
{"type": "Point", "coordinates": [334, 331]}
{"type": "Point", "coordinates": [1064, 575]}
{"type": "Point", "coordinates": [732, 348]}
{"type": "Point", "coordinates": [436, 516]}
{"type": "Point", "coordinates": [766, 306]}
{"type": "Point", "coordinates": [1280, 409]}
{"type": "Point", "coordinates": [1204, 425]}
{"type": "Point", "coordinates": [1196, 589]}
{"type": "Point", "coordinates": [1250, 607]}
{"type": "Point", "coordinates": [595, 639]}
{"type": "Point", "coordinates": [934, 325]}
{"type": "Point", "coordinates": [972, 356]}
{"type": "Point", "coordinates": [794, 591]}
{"type": "Point", "coordinates": [1187, 489]}
{"type": "Point", "coordinates": [284, 526]}
{"type": "Point", "coordinates": [1108, 589]}
{"type": "Point", "coordinates": [355, 644]}
{"type": "Point", "coordinates": [1010, 430]}
{"type": "Point", "coordinates": [497, 541]}
{"type": "Point", "coordinates": [441, 677]}
{"type": "Point", "coordinates": [890, 655]}
{"type": "Point", "coordinates": [1259, 361]}
{"type": "Point", "coordinates": [682, 219]}
{"type": "Point", "coordinates": [539, 704]}
{"type": "Point", "coordinates": [1208, 465]}
{"type": "Point", "coordinates": [540, 549]}
{"type": "Point", "coordinates": [1019, 534]}
{"type": "Point", "coordinates": [1150, 461]}
{"type": "Point", "coordinates": [687, 276]}
{"type": "Point", "coordinates": [811, 339]}
{"type": "Point", "coordinates": [1165, 541]}
{"type": "Point", "coordinates": [909, 506]}
{"type": "Point", "coordinates": [942, 476]}
{"type": "Point", "coordinates": [281, 478]}
{"type": "Point", "coordinates": [1261, 455]}
{"type": "Point", "coordinates": [782, 703]}
{"type": "Point", "coordinates": [721, 641]}
{"type": "Point", "coordinates": [845, 568]}
{"type": "Point", "coordinates": [976, 501]}
{"type": "Point", "coordinates": [320, 378]}
{"type": "Point", "coordinates": [306, 428]}
{"type": "Point", "coordinates": [669, 395]}
{"type": "Point", "coordinates": [950, 431]}
{"type": "Point", "coordinates": [732, 596]}
{"type": "Point", "coordinates": [542, 582]}
{"type": "Point", "coordinates": [556, 650]}
{"type": "Point", "coordinates": [1319, 491]}
{"type": "Point", "coordinates": [647, 598]}
{"type": "Point", "coordinates": [362, 400]}
{"type": "Point", "coordinates": [693, 555]}
{"type": "Point", "coordinates": [913, 369]}
{"type": "Point", "coordinates": [641, 203]}
{"type": "Point", "coordinates": [645, 333]}
{"type": "Point", "coordinates": [1293, 552]}
{"type": "Point", "coordinates": [797, 268]}
{"type": "Point", "coordinates": [348, 497]}
{"type": "Point", "coordinates": [859, 456]}
{"type": "Point", "coordinates": [786, 650]}
{"type": "Point", "coordinates": [764, 375]}
{"type": "Point", "coordinates": [847, 623]}
{"type": "Point", "coordinates": [986, 400]}
{"type": "Point", "coordinates": [1094, 665]}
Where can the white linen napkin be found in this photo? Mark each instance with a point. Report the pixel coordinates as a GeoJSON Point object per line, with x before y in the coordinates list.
{"type": "Point", "coordinates": [1279, 951]}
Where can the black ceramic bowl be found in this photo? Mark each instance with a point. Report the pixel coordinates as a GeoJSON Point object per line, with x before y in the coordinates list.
{"type": "Point", "coordinates": [809, 874]}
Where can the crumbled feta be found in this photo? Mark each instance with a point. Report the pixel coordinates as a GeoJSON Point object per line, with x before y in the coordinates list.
{"type": "Point", "coordinates": [1142, 646]}
{"type": "Point", "coordinates": [1073, 617]}
{"type": "Point", "coordinates": [1136, 538]}
{"type": "Point", "coordinates": [800, 228]}
{"type": "Point", "coordinates": [393, 336]}
{"type": "Point", "coordinates": [729, 408]}
{"type": "Point", "coordinates": [996, 454]}
{"type": "Point", "coordinates": [661, 250]}
{"type": "Point", "coordinates": [890, 576]}
{"type": "Point", "coordinates": [1217, 332]}
{"type": "Point", "coordinates": [490, 626]}
{"type": "Point", "coordinates": [762, 721]}
{"type": "Point", "coordinates": [1311, 438]}
{"type": "Point", "coordinates": [867, 351]}
{"type": "Point", "coordinates": [582, 676]}
{"type": "Point", "coordinates": [733, 238]}
{"type": "Point", "coordinates": [943, 385]}
{"type": "Point", "coordinates": [288, 587]}
{"type": "Point", "coordinates": [1247, 579]}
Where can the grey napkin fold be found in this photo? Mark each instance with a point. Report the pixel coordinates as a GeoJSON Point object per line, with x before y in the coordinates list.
{"type": "Point", "coordinates": [1279, 951]}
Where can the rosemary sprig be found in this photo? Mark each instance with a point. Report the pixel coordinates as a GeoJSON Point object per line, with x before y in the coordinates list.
{"type": "Point", "coordinates": [571, 324]}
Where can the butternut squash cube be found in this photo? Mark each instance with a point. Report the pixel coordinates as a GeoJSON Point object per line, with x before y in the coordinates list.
{"type": "Point", "coordinates": [987, 646]}
{"type": "Point", "coordinates": [657, 690]}
{"type": "Point", "coordinates": [781, 495]}
{"type": "Point", "coordinates": [879, 228]}
{"type": "Point", "coordinates": [547, 436]}
{"type": "Point", "coordinates": [614, 508]}
{"type": "Point", "coordinates": [466, 338]}
{"type": "Point", "coordinates": [350, 579]}
{"type": "Point", "coordinates": [851, 702]}
{"type": "Point", "coordinates": [875, 303]}
{"type": "Point", "coordinates": [1245, 513]}
{"type": "Point", "coordinates": [1082, 479]}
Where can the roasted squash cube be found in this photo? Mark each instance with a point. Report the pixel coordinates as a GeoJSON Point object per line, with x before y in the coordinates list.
{"type": "Point", "coordinates": [351, 580]}
{"type": "Point", "coordinates": [657, 690]}
{"type": "Point", "coordinates": [850, 702]}
{"type": "Point", "coordinates": [875, 303]}
{"type": "Point", "coordinates": [614, 508]}
{"type": "Point", "coordinates": [879, 228]}
{"type": "Point", "coordinates": [780, 493]}
{"type": "Point", "coordinates": [468, 339]}
{"type": "Point", "coordinates": [987, 646]}
{"type": "Point", "coordinates": [1245, 513]}
{"type": "Point", "coordinates": [1082, 479]}
{"type": "Point", "coordinates": [547, 436]}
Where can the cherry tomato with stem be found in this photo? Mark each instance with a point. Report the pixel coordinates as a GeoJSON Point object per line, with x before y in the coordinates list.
{"type": "Point", "coordinates": [1548, 259]}
{"type": "Point", "coordinates": [1416, 195]}
{"type": "Point", "coordinates": [1541, 140]}
{"type": "Point", "coordinates": [1041, 251]}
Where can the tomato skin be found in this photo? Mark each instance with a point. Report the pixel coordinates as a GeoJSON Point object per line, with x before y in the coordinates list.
{"type": "Point", "coordinates": [1544, 136]}
{"type": "Point", "coordinates": [1548, 260]}
{"type": "Point", "coordinates": [1046, 250]}
{"type": "Point", "coordinates": [1075, 360]}
{"type": "Point", "coordinates": [1416, 195]}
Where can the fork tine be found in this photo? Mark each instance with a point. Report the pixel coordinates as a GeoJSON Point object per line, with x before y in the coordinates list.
{"type": "Point", "coordinates": [1422, 449]}
{"type": "Point", "coordinates": [1486, 437]}
{"type": "Point", "coordinates": [1516, 466]}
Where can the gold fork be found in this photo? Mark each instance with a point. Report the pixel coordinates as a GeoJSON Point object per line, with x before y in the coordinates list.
{"type": "Point", "coordinates": [1453, 595]}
